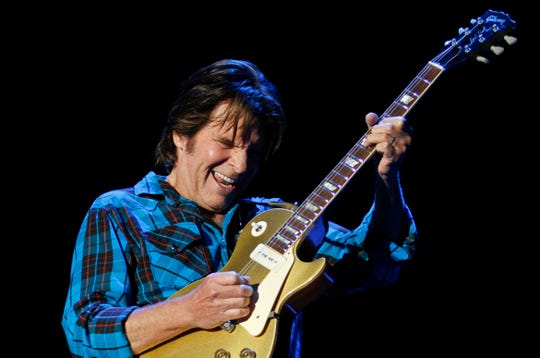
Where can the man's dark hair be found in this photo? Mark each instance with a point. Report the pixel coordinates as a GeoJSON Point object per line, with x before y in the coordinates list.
{"type": "Point", "coordinates": [239, 83]}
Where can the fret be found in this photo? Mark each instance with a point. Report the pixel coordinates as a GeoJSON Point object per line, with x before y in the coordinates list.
{"type": "Point", "coordinates": [283, 240]}
{"type": "Point", "coordinates": [345, 170]}
{"type": "Point", "coordinates": [314, 208]}
{"type": "Point", "coordinates": [296, 225]}
{"type": "Point", "coordinates": [306, 212]}
{"type": "Point", "coordinates": [301, 219]}
{"type": "Point", "coordinates": [337, 178]}
{"type": "Point", "coordinates": [319, 197]}
{"type": "Point", "coordinates": [329, 186]}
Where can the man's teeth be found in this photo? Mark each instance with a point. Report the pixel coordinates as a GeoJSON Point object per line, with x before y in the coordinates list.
{"type": "Point", "coordinates": [224, 178]}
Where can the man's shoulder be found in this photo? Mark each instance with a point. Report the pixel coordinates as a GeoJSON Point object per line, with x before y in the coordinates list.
{"type": "Point", "coordinates": [260, 204]}
{"type": "Point", "coordinates": [143, 193]}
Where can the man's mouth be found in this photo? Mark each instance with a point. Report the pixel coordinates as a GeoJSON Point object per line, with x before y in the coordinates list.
{"type": "Point", "coordinates": [223, 180]}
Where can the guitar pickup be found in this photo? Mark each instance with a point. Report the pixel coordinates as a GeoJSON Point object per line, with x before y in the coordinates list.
{"type": "Point", "coordinates": [267, 257]}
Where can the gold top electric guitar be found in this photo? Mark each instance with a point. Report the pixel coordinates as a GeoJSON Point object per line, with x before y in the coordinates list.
{"type": "Point", "coordinates": [267, 247]}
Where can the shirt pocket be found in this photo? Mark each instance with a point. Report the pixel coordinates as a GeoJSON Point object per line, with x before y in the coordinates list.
{"type": "Point", "coordinates": [177, 255]}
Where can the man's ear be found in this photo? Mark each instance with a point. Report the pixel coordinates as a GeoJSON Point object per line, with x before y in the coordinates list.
{"type": "Point", "coordinates": [179, 140]}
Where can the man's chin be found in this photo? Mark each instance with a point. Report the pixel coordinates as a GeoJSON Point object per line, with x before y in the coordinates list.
{"type": "Point", "coordinates": [219, 206]}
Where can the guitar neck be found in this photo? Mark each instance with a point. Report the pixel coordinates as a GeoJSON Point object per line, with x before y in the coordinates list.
{"type": "Point", "coordinates": [315, 204]}
{"type": "Point", "coordinates": [492, 26]}
{"type": "Point", "coordinates": [416, 89]}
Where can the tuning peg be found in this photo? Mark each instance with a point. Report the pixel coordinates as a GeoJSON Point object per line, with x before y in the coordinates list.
{"type": "Point", "coordinates": [482, 59]}
{"type": "Point", "coordinates": [510, 39]}
{"type": "Point", "coordinates": [497, 50]}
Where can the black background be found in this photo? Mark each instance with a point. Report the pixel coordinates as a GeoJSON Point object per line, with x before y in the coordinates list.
{"type": "Point", "coordinates": [94, 85]}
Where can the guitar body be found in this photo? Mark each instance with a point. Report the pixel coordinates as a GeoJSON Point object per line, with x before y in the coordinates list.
{"type": "Point", "coordinates": [274, 286]}
{"type": "Point", "coordinates": [218, 343]}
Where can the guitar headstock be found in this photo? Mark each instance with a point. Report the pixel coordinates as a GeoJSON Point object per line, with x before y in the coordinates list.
{"type": "Point", "coordinates": [480, 39]}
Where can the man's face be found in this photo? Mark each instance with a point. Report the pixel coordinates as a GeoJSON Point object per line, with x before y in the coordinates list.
{"type": "Point", "coordinates": [214, 167]}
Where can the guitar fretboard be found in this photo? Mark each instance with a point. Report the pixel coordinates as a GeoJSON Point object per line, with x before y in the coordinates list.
{"type": "Point", "coordinates": [314, 205]}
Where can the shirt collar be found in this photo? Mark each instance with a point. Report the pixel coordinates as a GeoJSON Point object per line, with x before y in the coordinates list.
{"type": "Point", "coordinates": [157, 185]}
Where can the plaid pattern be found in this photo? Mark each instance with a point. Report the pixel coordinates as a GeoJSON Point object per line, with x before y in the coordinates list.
{"type": "Point", "coordinates": [139, 245]}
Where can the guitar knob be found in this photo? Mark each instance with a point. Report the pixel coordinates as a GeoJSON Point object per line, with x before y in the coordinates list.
{"type": "Point", "coordinates": [247, 353]}
{"type": "Point", "coordinates": [222, 353]}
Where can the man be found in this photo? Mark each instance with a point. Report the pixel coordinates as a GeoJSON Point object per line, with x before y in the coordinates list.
{"type": "Point", "coordinates": [139, 247]}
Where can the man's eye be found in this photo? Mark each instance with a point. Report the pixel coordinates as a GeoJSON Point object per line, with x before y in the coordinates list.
{"type": "Point", "coordinates": [226, 143]}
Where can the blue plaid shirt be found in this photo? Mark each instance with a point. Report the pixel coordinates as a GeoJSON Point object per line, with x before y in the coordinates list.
{"type": "Point", "coordinates": [139, 245]}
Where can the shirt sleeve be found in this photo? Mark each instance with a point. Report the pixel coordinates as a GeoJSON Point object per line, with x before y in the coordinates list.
{"type": "Point", "coordinates": [99, 298]}
{"type": "Point", "coordinates": [379, 268]}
